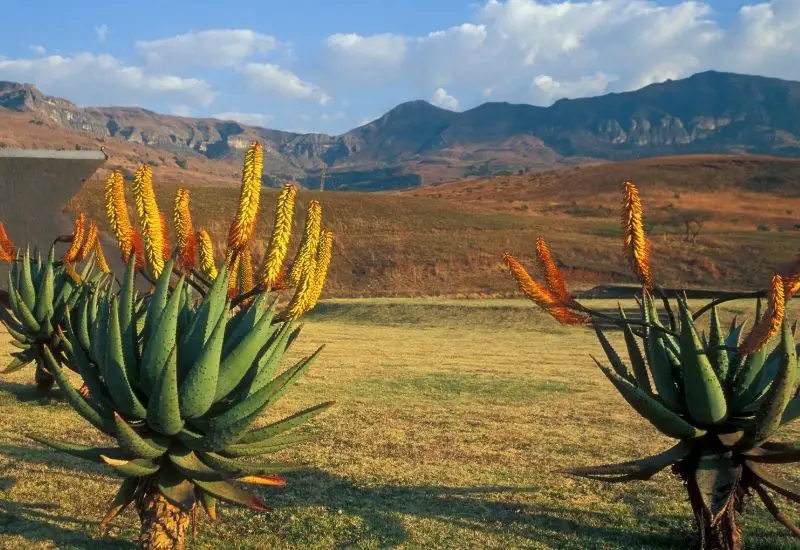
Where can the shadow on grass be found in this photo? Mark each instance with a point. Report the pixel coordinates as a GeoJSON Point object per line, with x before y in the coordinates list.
{"type": "Point", "coordinates": [27, 393]}
{"type": "Point", "coordinates": [490, 510]}
{"type": "Point", "coordinates": [52, 458]}
{"type": "Point", "coordinates": [41, 523]}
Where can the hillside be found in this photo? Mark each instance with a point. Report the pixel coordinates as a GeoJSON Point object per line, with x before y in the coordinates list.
{"type": "Point", "coordinates": [416, 142]}
{"type": "Point", "coordinates": [449, 239]}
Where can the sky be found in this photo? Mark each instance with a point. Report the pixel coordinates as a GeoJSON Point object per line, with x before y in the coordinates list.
{"type": "Point", "coordinates": [331, 65]}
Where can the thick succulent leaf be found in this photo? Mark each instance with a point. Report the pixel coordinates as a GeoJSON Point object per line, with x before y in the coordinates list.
{"type": "Point", "coordinates": [81, 406]}
{"type": "Point", "coordinates": [266, 481]}
{"type": "Point", "coordinates": [24, 313]}
{"type": "Point", "coordinates": [765, 377]}
{"type": "Point", "coordinates": [751, 369]}
{"type": "Point", "coordinates": [176, 488]}
{"type": "Point", "coordinates": [204, 321]}
{"type": "Point", "coordinates": [635, 355]}
{"type": "Point", "coordinates": [127, 323]}
{"type": "Point", "coordinates": [792, 410]}
{"type": "Point", "coordinates": [613, 357]}
{"type": "Point", "coordinates": [242, 358]}
{"type": "Point", "coordinates": [717, 353]}
{"type": "Point", "coordinates": [99, 329]}
{"type": "Point", "coordinates": [12, 323]}
{"type": "Point", "coordinates": [21, 360]}
{"type": "Point", "coordinates": [162, 342]}
{"type": "Point", "coordinates": [270, 358]}
{"type": "Point", "coordinates": [782, 487]}
{"type": "Point", "coordinates": [198, 389]}
{"type": "Point", "coordinates": [705, 397]}
{"type": "Point", "coordinates": [640, 469]}
{"type": "Point", "coordinates": [135, 444]}
{"type": "Point", "coordinates": [125, 495]}
{"type": "Point", "coordinates": [208, 502]}
{"type": "Point", "coordinates": [774, 510]}
{"type": "Point", "coordinates": [116, 373]}
{"type": "Point", "coordinates": [237, 468]}
{"type": "Point", "coordinates": [264, 447]}
{"type": "Point", "coordinates": [138, 467]}
{"type": "Point", "coordinates": [717, 476]}
{"type": "Point", "coordinates": [188, 464]}
{"type": "Point", "coordinates": [276, 428]}
{"type": "Point", "coordinates": [775, 453]}
{"type": "Point", "coordinates": [228, 492]}
{"type": "Point", "coordinates": [44, 298]}
{"type": "Point", "coordinates": [246, 321]}
{"type": "Point", "coordinates": [98, 391]}
{"type": "Point", "coordinates": [769, 416]}
{"type": "Point", "coordinates": [662, 370]}
{"type": "Point", "coordinates": [163, 410]}
{"type": "Point", "coordinates": [81, 451]}
{"type": "Point", "coordinates": [27, 290]}
{"type": "Point", "coordinates": [158, 301]}
{"type": "Point", "coordinates": [663, 419]}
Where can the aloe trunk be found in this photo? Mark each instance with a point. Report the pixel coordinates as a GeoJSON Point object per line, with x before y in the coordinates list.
{"type": "Point", "coordinates": [722, 535]}
{"type": "Point", "coordinates": [44, 380]}
{"type": "Point", "coordinates": [163, 525]}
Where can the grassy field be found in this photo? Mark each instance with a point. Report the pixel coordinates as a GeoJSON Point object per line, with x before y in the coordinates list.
{"type": "Point", "coordinates": [451, 422]}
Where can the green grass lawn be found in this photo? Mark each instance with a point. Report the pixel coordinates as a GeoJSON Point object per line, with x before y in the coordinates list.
{"type": "Point", "coordinates": [452, 421]}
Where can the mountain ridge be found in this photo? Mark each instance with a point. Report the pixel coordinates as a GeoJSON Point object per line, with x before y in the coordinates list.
{"type": "Point", "coordinates": [708, 112]}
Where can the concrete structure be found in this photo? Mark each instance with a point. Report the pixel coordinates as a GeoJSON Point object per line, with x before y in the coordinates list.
{"type": "Point", "coordinates": [35, 186]}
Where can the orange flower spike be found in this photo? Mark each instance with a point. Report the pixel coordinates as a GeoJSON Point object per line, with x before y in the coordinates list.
{"type": "Point", "coordinates": [542, 296]}
{"type": "Point", "coordinates": [555, 281]}
{"type": "Point", "coordinates": [77, 239]}
{"type": "Point", "coordinates": [101, 257]}
{"type": "Point", "coordinates": [167, 250]}
{"type": "Point", "coordinates": [89, 240]}
{"type": "Point", "coordinates": [206, 252]}
{"type": "Point", "coordinates": [771, 323]}
{"type": "Point", "coordinates": [636, 248]}
{"type": "Point", "coordinates": [137, 248]}
{"type": "Point", "coordinates": [7, 250]}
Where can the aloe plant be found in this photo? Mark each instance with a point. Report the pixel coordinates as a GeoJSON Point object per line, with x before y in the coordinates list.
{"type": "Point", "coordinates": [178, 386]}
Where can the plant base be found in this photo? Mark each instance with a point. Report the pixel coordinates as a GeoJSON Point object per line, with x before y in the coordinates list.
{"type": "Point", "coordinates": [164, 525]}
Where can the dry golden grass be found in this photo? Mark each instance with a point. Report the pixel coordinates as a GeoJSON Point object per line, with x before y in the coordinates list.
{"type": "Point", "coordinates": [451, 422]}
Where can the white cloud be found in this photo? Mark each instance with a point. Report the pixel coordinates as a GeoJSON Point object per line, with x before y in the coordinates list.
{"type": "Point", "coordinates": [101, 32]}
{"type": "Point", "coordinates": [38, 49]}
{"type": "Point", "coordinates": [253, 119]}
{"type": "Point", "coordinates": [444, 100]}
{"type": "Point", "coordinates": [181, 110]}
{"type": "Point", "coordinates": [101, 79]}
{"type": "Point", "coordinates": [584, 47]}
{"type": "Point", "coordinates": [271, 79]}
{"type": "Point", "coordinates": [336, 115]}
{"type": "Point", "coordinates": [210, 48]}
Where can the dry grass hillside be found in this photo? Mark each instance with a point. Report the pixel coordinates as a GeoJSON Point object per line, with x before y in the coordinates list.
{"type": "Point", "coordinates": [448, 240]}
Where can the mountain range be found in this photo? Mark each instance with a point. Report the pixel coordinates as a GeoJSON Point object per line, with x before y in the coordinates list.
{"type": "Point", "coordinates": [417, 142]}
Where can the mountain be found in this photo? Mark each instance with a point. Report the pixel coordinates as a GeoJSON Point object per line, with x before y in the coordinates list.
{"type": "Point", "coordinates": [709, 112]}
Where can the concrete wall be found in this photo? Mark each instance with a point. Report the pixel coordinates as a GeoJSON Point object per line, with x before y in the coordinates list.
{"type": "Point", "coordinates": [35, 185]}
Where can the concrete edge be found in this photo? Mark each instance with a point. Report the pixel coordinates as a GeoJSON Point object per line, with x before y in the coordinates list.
{"type": "Point", "coordinates": [53, 154]}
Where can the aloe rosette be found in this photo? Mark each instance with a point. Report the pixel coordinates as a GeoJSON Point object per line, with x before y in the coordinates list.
{"type": "Point", "coordinates": [179, 387]}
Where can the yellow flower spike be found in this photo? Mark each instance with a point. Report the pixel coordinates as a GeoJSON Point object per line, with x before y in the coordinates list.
{"type": "Point", "coordinates": [89, 240]}
{"type": "Point", "coordinates": [77, 239]}
{"type": "Point", "coordinates": [232, 263]}
{"type": "Point", "coordinates": [207, 266]}
{"type": "Point", "coordinates": [245, 221]}
{"type": "Point", "coordinates": [7, 250]}
{"type": "Point", "coordinates": [308, 245]}
{"type": "Point", "coordinates": [771, 323]}
{"type": "Point", "coordinates": [184, 230]}
{"type": "Point", "coordinates": [149, 218]}
{"type": "Point", "coordinates": [542, 296]}
{"type": "Point", "coordinates": [244, 281]}
{"type": "Point", "coordinates": [302, 296]}
{"type": "Point", "coordinates": [279, 239]}
{"type": "Point", "coordinates": [117, 212]}
{"type": "Point", "coordinates": [555, 281]}
{"type": "Point", "coordinates": [323, 260]}
{"type": "Point", "coordinates": [635, 246]}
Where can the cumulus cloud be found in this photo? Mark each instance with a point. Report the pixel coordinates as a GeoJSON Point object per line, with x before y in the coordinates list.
{"type": "Point", "coordinates": [253, 119]}
{"type": "Point", "coordinates": [101, 32]}
{"type": "Point", "coordinates": [444, 100]}
{"type": "Point", "coordinates": [210, 48]}
{"type": "Point", "coordinates": [38, 49]}
{"type": "Point", "coordinates": [273, 79]}
{"type": "Point", "coordinates": [102, 79]}
{"type": "Point", "coordinates": [526, 50]}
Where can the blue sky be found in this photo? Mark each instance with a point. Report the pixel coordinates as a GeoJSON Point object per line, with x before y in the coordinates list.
{"type": "Point", "coordinates": [328, 66]}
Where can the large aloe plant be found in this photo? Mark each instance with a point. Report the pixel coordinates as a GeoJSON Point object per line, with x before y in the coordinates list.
{"type": "Point", "coordinates": [178, 387]}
